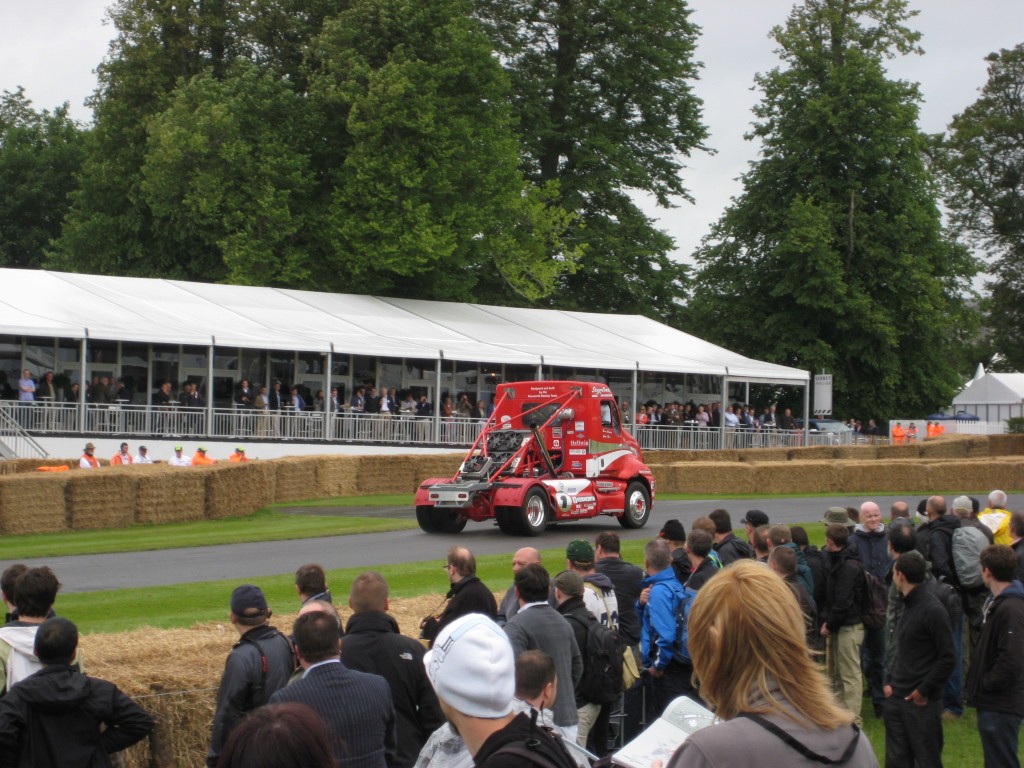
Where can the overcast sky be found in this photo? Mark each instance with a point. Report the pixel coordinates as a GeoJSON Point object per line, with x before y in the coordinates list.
{"type": "Point", "coordinates": [52, 47]}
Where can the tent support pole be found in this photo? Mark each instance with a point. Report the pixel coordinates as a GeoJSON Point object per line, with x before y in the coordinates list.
{"type": "Point", "coordinates": [83, 385]}
{"type": "Point", "coordinates": [437, 396]}
{"type": "Point", "coordinates": [209, 386]}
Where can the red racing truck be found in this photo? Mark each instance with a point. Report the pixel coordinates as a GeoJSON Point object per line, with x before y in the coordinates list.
{"type": "Point", "coordinates": [552, 451]}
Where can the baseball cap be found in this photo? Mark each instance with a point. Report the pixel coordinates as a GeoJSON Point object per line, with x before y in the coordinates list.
{"type": "Point", "coordinates": [756, 518]}
{"type": "Point", "coordinates": [177, 447]}
{"type": "Point", "coordinates": [673, 531]}
{"type": "Point", "coordinates": [472, 668]}
{"type": "Point", "coordinates": [837, 515]}
{"type": "Point", "coordinates": [570, 583]}
{"type": "Point", "coordinates": [89, 447]}
{"type": "Point", "coordinates": [580, 551]}
{"type": "Point", "coordinates": [239, 449]}
{"type": "Point", "coordinates": [248, 597]}
{"type": "Point", "coordinates": [201, 449]}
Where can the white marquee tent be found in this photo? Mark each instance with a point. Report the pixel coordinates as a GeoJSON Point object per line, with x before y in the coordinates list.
{"type": "Point", "coordinates": [77, 306]}
{"type": "Point", "coordinates": [993, 396]}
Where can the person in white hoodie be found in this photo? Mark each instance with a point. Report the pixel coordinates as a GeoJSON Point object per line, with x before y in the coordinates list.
{"type": "Point", "coordinates": [35, 592]}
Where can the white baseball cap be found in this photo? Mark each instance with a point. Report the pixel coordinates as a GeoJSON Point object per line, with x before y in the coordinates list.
{"type": "Point", "coordinates": [472, 668]}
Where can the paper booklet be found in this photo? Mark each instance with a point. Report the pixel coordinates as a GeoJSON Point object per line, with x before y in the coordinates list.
{"type": "Point", "coordinates": [681, 718]}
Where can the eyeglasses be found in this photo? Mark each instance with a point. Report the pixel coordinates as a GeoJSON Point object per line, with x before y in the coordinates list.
{"type": "Point", "coordinates": [446, 566]}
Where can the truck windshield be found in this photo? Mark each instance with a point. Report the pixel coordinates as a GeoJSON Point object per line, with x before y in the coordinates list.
{"type": "Point", "coordinates": [532, 414]}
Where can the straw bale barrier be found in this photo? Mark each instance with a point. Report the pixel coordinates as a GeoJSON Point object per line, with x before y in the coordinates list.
{"type": "Point", "coordinates": [944, 448]}
{"type": "Point", "coordinates": [102, 498]}
{"type": "Point", "coordinates": [812, 453]}
{"type": "Point", "coordinates": [163, 496]}
{"type": "Point", "coordinates": [234, 490]}
{"type": "Point", "coordinates": [906, 451]}
{"type": "Point", "coordinates": [758, 455]}
{"type": "Point", "coordinates": [337, 475]}
{"type": "Point", "coordinates": [712, 477]}
{"type": "Point", "coordinates": [295, 478]}
{"type": "Point", "coordinates": [795, 477]}
{"type": "Point", "coordinates": [877, 476]}
{"type": "Point", "coordinates": [34, 502]}
{"type": "Point", "coordinates": [17, 466]}
{"type": "Point", "coordinates": [976, 475]}
{"type": "Point", "coordinates": [1006, 445]}
{"type": "Point", "coordinates": [857, 452]}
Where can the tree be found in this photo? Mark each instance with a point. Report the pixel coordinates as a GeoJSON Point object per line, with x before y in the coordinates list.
{"type": "Point", "coordinates": [602, 93]}
{"type": "Point", "coordinates": [982, 165]}
{"type": "Point", "coordinates": [426, 196]}
{"type": "Point", "coordinates": [40, 153]}
{"type": "Point", "coordinates": [833, 257]}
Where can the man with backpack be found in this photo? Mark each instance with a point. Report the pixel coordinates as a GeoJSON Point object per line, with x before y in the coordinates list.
{"type": "Point", "coordinates": [259, 664]}
{"type": "Point", "coordinates": [969, 540]}
{"type": "Point", "coordinates": [601, 682]}
{"type": "Point", "coordinates": [842, 618]}
{"type": "Point", "coordinates": [729, 548]}
{"type": "Point", "coordinates": [873, 549]}
{"type": "Point", "coordinates": [664, 604]}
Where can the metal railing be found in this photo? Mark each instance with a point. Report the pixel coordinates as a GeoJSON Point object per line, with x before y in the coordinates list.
{"type": "Point", "coordinates": [15, 441]}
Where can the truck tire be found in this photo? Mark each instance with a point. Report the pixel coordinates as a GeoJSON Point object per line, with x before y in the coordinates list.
{"type": "Point", "coordinates": [638, 506]}
{"type": "Point", "coordinates": [434, 520]}
{"type": "Point", "coordinates": [509, 520]}
{"type": "Point", "coordinates": [534, 517]}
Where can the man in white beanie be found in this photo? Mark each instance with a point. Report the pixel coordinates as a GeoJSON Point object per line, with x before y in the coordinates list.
{"type": "Point", "coordinates": [472, 669]}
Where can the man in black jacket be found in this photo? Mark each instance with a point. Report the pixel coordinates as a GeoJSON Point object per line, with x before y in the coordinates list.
{"type": "Point", "coordinates": [869, 537]}
{"type": "Point", "coordinates": [729, 548]}
{"type": "Point", "coordinates": [259, 664]}
{"type": "Point", "coordinates": [842, 618]}
{"type": "Point", "coordinates": [60, 717]}
{"type": "Point", "coordinates": [935, 542]}
{"type": "Point", "coordinates": [995, 681]}
{"type": "Point", "coordinates": [922, 664]}
{"type": "Point", "coordinates": [373, 644]}
{"type": "Point", "coordinates": [468, 594]}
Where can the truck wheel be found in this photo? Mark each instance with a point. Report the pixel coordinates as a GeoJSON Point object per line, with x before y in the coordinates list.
{"type": "Point", "coordinates": [434, 520]}
{"type": "Point", "coordinates": [534, 517]}
{"type": "Point", "coordinates": [508, 519]}
{"type": "Point", "coordinates": [638, 506]}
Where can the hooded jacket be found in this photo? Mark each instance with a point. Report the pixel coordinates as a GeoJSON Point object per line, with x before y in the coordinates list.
{"type": "Point", "coordinates": [53, 719]}
{"type": "Point", "coordinates": [995, 680]}
{"type": "Point", "coordinates": [601, 600]}
{"type": "Point", "coordinates": [658, 627]}
{"type": "Point", "coordinates": [873, 550]}
{"type": "Point", "coordinates": [730, 549]}
{"type": "Point", "coordinates": [626, 577]}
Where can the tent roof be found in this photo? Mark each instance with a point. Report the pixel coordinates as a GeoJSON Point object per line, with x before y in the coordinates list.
{"type": "Point", "coordinates": [992, 389]}
{"type": "Point", "coordinates": [67, 305]}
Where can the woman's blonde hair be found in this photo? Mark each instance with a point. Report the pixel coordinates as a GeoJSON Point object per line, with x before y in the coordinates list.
{"type": "Point", "coordinates": [749, 652]}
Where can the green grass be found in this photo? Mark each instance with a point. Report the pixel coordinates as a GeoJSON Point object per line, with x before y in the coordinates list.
{"type": "Point", "coordinates": [265, 525]}
{"type": "Point", "coordinates": [380, 500]}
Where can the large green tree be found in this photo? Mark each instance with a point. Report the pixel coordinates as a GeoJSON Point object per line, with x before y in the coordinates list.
{"type": "Point", "coordinates": [833, 257]}
{"type": "Point", "coordinates": [603, 94]}
{"type": "Point", "coordinates": [40, 153]}
{"type": "Point", "coordinates": [982, 160]}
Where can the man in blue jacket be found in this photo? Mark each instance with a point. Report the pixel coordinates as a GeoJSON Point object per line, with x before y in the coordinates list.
{"type": "Point", "coordinates": [670, 672]}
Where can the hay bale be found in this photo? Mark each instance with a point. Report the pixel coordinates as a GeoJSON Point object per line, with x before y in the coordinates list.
{"type": "Point", "coordinates": [33, 503]}
{"type": "Point", "coordinates": [857, 452]}
{"type": "Point", "coordinates": [951, 447]}
{"type": "Point", "coordinates": [100, 499]}
{"type": "Point", "coordinates": [717, 456]}
{"type": "Point", "coordinates": [978, 446]}
{"type": "Point", "coordinates": [168, 494]}
{"type": "Point", "coordinates": [1006, 445]}
{"type": "Point", "coordinates": [812, 453]}
{"type": "Point", "coordinates": [295, 479]}
{"type": "Point", "coordinates": [19, 466]}
{"type": "Point", "coordinates": [397, 474]}
{"type": "Point", "coordinates": [715, 478]}
{"type": "Point", "coordinates": [877, 477]}
{"type": "Point", "coordinates": [668, 477]}
{"type": "Point", "coordinates": [758, 455]}
{"type": "Point", "coordinates": [238, 490]}
{"type": "Point", "coordinates": [978, 476]}
{"type": "Point", "coordinates": [437, 465]}
{"type": "Point", "coordinates": [906, 451]}
{"type": "Point", "coordinates": [338, 475]}
{"type": "Point", "coordinates": [795, 477]}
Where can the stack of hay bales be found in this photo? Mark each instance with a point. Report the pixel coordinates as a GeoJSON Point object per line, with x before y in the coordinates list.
{"type": "Point", "coordinates": [34, 503]}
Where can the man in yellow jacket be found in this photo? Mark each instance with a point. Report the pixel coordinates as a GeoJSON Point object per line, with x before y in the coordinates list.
{"type": "Point", "coordinates": [996, 518]}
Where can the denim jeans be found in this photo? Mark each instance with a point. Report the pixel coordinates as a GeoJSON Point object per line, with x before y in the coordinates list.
{"type": "Point", "coordinates": [999, 732]}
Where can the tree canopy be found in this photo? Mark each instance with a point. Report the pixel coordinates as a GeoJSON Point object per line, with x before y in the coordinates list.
{"type": "Point", "coordinates": [982, 164]}
{"type": "Point", "coordinates": [833, 258]}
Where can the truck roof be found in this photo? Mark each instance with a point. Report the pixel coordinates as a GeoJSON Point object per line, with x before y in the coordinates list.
{"type": "Point", "coordinates": [526, 390]}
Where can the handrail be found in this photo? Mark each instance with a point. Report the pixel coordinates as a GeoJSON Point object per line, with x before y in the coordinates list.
{"type": "Point", "coordinates": [16, 442]}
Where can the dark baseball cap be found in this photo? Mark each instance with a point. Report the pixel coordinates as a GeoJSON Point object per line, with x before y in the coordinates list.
{"type": "Point", "coordinates": [248, 599]}
{"type": "Point", "coordinates": [673, 530]}
{"type": "Point", "coordinates": [756, 518]}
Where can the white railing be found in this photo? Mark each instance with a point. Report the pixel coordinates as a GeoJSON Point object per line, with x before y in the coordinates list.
{"type": "Point", "coordinates": [14, 438]}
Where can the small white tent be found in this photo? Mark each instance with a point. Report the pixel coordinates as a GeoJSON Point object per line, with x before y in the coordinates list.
{"type": "Point", "coordinates": [993, 397]}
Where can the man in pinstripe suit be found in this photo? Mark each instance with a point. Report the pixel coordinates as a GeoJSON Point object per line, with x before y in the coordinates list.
{"type": "Point", "coordinates": [356, 706]}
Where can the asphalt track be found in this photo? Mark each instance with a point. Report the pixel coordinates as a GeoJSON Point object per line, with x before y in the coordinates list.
{"type": "Point", "coordinates": [90, 573]}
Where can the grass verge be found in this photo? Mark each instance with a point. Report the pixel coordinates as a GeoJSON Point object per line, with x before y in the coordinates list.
{"type": "Point", "coordinates": [265, 525]}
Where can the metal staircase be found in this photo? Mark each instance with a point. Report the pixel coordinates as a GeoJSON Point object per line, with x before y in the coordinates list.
{"type": "Point", "coordinates": [15, 442]}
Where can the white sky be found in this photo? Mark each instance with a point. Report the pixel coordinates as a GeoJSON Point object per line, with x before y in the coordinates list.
{"type": "Point", "coordinates": [52, 47]}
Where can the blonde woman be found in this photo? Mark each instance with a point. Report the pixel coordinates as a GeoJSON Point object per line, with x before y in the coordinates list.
{"type": "Point", "coordinates": [755, 672]}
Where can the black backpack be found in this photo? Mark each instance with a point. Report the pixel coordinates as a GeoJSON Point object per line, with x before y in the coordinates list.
{"type": "Point", "coordinates": [602, 664]}
{"type": "Point", "coordinates": [543, 748]}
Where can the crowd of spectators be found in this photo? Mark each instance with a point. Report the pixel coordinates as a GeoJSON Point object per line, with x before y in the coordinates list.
{"type": "Point", "coordinates": [778, 637]}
